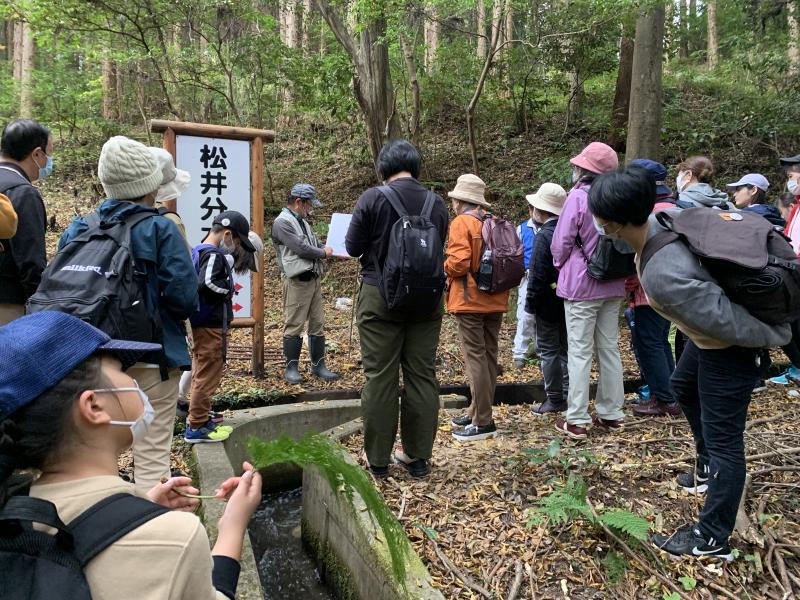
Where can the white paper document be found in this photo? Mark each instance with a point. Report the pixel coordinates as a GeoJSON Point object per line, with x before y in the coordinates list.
{"type": "Point", "coordinates": [337, 231]}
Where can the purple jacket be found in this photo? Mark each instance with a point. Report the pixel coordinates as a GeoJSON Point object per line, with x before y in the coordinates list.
{"type": "Point", "coordinates": [573, 281]}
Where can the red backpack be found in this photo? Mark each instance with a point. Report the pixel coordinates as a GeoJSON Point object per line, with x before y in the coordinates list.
{"type": "Point", "coordinates": [502, 264]}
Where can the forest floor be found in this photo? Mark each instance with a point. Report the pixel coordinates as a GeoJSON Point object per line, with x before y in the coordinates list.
{"type": "Point", "coordinates": [468, 519]}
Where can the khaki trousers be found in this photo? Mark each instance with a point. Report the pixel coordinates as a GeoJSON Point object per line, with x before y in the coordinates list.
{"type": "Point", "coordinates": [478, 333]}
{"type": "Point", "coordinates": [302, 301]}
{"type": "Point", "coordinates": [9, 312]}
{"type": "Point", "coordinates": [151, 456]}
{"type": "Point", "coordinates": [391, 341]}
{"type": "Point", "coordinates": [207, 369]}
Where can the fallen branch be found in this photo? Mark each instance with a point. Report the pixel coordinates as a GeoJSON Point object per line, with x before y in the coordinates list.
{"type": "Point", "coordinates": [775, 468]}
{"type": "Point", "coordinates": [512, 593]}
{"type": "Point", "coordinates": [468, 581]}
{"type": "Point", "coordinates": [721, 590]}
{"type": "Point", "coordinates": [742, 520]}
{"type": "Point", "coordinates": [635, 557]}
{"type": "Point", "coordinates": [762, 420]}
{"type": "Point", "coordinates": [786, 452]}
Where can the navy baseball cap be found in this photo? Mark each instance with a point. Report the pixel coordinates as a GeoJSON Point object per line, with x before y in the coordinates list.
{"type": "Point", "coordinates": [237, 223]}
{"type": "Point", "coordinates": [790, 160]}
{"type": "Point", "coordinates": [657, 171]}
{"type": "Point", "coordinates": [39, 350]}
{"type": "Point", "coordinates": [306, 191]}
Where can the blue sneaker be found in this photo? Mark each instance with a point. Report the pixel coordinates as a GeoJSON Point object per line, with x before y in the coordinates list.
{"type": "Point", "coordinates": [790, 375]}
{"type": "Point", "coordinates": [207, 433]}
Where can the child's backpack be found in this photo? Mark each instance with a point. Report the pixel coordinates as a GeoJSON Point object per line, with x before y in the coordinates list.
{"type": "Point", "coordinates": [750, 260]}
{"type": "Point", "coordinates": [38, 565]}
{"type": "Point", "coordinates": [413, 276]}
{"type": "Point", "coordinates": [502, 264]}
{"type": "Point", "coordinates": [95, 278]}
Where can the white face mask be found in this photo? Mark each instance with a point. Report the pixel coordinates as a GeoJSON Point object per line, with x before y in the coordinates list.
{"type": "Point", "coordinates": [225, 248]}
{"type": "Point", "coordinates": [681, 181]}
{"type": "Point", "coordinates": [140, 426]}
{"type": "Point", "coordinates": [614, 235]}
{"type": "Point", "coordinates": [576, 175]}
{"type": "Point", "coordinates": [793, 186]}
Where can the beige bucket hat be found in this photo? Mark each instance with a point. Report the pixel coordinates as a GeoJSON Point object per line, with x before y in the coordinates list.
{"type": "Point", "coordinates": [470, 188]}
{"type": "Point", "coordinates": [550, 198]}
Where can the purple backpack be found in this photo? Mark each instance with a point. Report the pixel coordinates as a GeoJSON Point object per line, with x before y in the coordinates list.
{"type": "Point", "coordinates": [502, 264]}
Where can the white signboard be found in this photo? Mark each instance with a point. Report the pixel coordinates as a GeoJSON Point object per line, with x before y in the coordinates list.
{"type": "Point", "coordinates": [220, 171]}
{"type": "Point", "coordinates": [337, 231]}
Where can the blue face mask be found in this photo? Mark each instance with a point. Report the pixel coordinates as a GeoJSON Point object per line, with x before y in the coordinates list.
{"type": "Point", "coordinates": [47, 169]}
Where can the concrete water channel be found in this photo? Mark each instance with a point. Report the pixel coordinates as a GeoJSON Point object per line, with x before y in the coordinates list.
{"type": "Point", "coordinates": [306, 541]}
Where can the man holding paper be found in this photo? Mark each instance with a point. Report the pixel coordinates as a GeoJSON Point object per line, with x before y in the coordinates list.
{"type": "Point", "coordinates": [300, 256]}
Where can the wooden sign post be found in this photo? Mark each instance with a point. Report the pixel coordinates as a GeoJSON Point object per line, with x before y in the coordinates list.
{"type": "Point", "coordinates": [227, 169]}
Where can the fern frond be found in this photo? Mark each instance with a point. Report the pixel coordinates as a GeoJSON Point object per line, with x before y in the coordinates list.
{"type": "Point", "coordinates": [626, 522]}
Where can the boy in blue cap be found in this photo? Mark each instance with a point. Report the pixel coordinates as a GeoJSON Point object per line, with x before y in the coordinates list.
{"type": "Point", "coordinates": [67, 412]}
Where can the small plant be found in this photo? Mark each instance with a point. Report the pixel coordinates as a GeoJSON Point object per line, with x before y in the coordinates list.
{"type": "Point", "coordinates": [616, 565]}
{"type": "Point", "coordinates": [566, 457]}
{"type": "Point", "coordinates": [320, 451]}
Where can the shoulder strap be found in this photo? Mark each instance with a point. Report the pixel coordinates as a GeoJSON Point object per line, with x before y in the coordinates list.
{"type": "Point", "coordinates": [104, 523]}
{"type": "Point", "coordinates": [394, 199]}
{"type": "Point", "coordinates": [654, 244]}
{"type": "Point", "coordinates": [430, 200]}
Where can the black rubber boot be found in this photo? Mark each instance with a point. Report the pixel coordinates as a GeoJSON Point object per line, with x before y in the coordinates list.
{"type": "Point", "coordinates": [291, 350]}
{"type": "Point", "coordinates": [316, 347]}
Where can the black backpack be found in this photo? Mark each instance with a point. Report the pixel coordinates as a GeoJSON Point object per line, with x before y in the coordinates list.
{"type": "Point", "coordinates": [611, 259]}
{"type": "Point", "coordinates": [413, 276]}
{"type": "Point", "coordinates": [751, 261]}
{"type": "Point", "coordinates": [95, 278]}
{"type": "Point", "coordinates": [37, 565]}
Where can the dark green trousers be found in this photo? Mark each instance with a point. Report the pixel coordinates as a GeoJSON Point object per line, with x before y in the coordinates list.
{"type": "Point", "coordinates": [389, 341]}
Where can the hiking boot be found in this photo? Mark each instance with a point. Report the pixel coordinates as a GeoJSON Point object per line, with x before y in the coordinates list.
{"type": "Point", "coordinates": [291, 350]}
{"type": "Point", "coordinates": [378, 472]}
{"type": "Point", "coordinates": [656, 408]}
{"type": "Point", "coordinates": [207, 433]}
{"type": "Point", "coordinates": [576, 432]}
{"type": "Point", "coordinates": [183, 408]}
{"type": "Point", "coordinates": [461, 421]}
{"type": "Point", "coordinates": [688, 541]}
{"type": "Point", "coordinates": [790, 375]}
{"type": "Point", "coordinates": [417, 467]}
{"type": "Point", "coordinates": [760, 386]}
{"type": "Point", "coordinates": [695, 481]}
{"type": "Point", "coordinates": [549, 406]}
{"type": "Point", "coordinates": [608, 423]}
{"type": "Point", "coordinates": [474, 432]}
{"type": "Point", "coordinates": [519, 363]}
{"type": "Point", "coordinates": [316, 347]}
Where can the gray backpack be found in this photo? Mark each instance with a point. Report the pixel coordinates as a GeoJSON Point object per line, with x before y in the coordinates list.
{"type": "Point", "coordinates": [752, 262]}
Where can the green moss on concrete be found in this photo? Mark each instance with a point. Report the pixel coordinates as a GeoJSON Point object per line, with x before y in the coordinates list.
{"type": "Point", "coordinates": [334, 573]}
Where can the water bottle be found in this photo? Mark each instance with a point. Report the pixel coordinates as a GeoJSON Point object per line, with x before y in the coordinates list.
{"type": "Point", "coordinates": [485, 272]}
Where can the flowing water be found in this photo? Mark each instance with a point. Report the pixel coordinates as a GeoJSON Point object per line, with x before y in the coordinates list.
{"type": "Point", "coordinates": [286, 571]}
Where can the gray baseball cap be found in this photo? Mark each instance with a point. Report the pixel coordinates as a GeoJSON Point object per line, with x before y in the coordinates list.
{"type": "Point", "coordinates": [754, 179]}
{"type": "Point", "coordinates": [306, 191]}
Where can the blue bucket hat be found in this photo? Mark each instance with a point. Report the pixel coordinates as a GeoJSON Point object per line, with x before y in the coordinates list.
{"type": "Point", "coordinates": [306, 191]}
{"type": "Point", "coordinates": [39, 350]}
{"type": "Point", "coordinates": [657, 171]}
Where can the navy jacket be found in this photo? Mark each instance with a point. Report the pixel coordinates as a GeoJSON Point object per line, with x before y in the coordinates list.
{"type": "Point", "coordinates": [23, 257]}
{"type": "Point", "coordinates": [769, 212]}
{"type": "Point", "coordinates": [215, 288]}
{"type": "Point", "coordinates": [160, 251]}
{"type": "Point", "coordinates": [541, 299]}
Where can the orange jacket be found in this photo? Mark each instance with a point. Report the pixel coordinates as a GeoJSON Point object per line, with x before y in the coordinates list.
{"type": "Point", "coordinates": [8, 218]}
{"type": "Point", "coordinates": [464, 247]}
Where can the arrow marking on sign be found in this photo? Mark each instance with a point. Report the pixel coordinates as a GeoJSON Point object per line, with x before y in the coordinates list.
{"type": "Point", "coordinates": [237, 307]}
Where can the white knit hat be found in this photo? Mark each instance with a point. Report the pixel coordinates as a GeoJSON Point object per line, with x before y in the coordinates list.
{"type": "Point", "coordinates": [127, 169]}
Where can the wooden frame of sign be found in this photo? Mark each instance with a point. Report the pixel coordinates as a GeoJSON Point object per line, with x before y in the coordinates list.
{"type": "Point", "coordinates": [256, 137]}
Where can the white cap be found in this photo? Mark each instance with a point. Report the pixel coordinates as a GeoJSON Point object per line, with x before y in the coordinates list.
{"type": "Point", "coordinates": [173, 181]}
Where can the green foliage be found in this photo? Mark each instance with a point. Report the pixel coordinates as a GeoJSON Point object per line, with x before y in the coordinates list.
{"type": "Point", "coordinates": [319, 450]}
{"type": "Point", "coordinates": [688, 582]}
{"type": "Point", "coordinates": [626, 522]}
{"type": "Point", "coordinates": [616, 565]}
{"type": "Point", "coordinates": [671, 596]}
{"type": "Point", "coordinates": [567, 457]}
{"type": "Point", "coordinates": [563, 505]}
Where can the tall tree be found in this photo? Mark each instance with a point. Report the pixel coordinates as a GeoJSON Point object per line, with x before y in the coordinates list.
{"type": "Point", "coordinates": [712, 56]}
{"type": "Point", "coordinates": [27, 66]}
{"type": "Point", "coordinates": [372, 81]}
{"type": "Point", "coordinates": [622, 93]}
{"type": "Point", "coordinates": [683, 30]}
{"type": "Point", "coordinates": [481, 29]}
{"type": "Point", "coordinates": [430, 30]}
{"type": "Point", "coordinates": [109, 88]}
{"type": "Point", "coordinates": [644, 117]}
{"type": "Point", "coordinates": [793, 52]}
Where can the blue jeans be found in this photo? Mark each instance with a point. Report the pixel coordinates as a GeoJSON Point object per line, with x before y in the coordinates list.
{"type": "Point", "coordinates": [654, 352]}
{"type": "Point", "coordinates": [714, 389]}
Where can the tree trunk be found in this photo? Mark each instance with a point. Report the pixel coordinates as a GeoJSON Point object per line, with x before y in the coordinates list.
{"type": "Point", "coordinates": [575, 104]}
{"type": "Point", "coordinates": [430, 30]}
{"type": "Point", "coordinates": [692, 23]}
{"type": "Point", "coordinates": [306, 26]}
{"type": "Point", "coordinates": [26, 73]}
{"type": "Point", "coordinates": [476, 95]}
{"type": "Point", "coordinates": [644, 119]}
{"type": "Point", "coordinates": [794, 33]}
{"type": "Point", "coordinates": [683, 30]}
{"type": "Point", "coordinates": [372, 82]}
{"type": "Point", "coordinates": [713, 47]}
{"type": "Point", "coordinates": [622, 95]}
{"type": "Point", "coordinates": [411, 67]}
{"type": "Point", "coordinates": [481, 29]}
{"type": "Point", "coordinates": [17, 54]}
{"type": "Point", "coordinates": [109, 87]}
{"type": "Point", "coordinates": [289, 23]}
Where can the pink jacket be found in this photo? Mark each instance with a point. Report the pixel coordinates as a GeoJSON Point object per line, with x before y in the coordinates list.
{"type": "Point", "coordinates": [573, 281]}
{"type": "Point", "coordinates": [632, 286]}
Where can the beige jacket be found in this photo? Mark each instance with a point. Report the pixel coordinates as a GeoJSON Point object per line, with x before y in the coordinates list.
{"type": "Point", "coordinates": [164, 559]}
